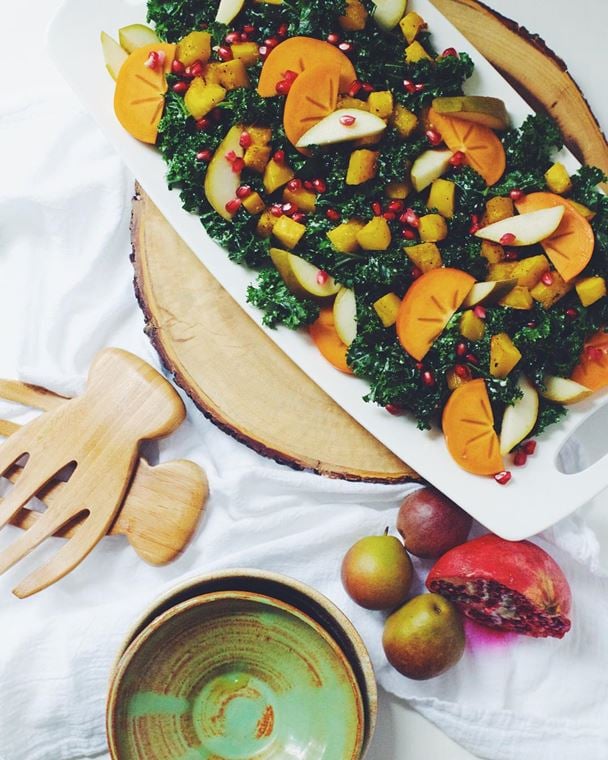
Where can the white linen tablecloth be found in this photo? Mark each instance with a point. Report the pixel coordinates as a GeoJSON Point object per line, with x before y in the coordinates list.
{"type": "Point", "coordinates": [64, 241]}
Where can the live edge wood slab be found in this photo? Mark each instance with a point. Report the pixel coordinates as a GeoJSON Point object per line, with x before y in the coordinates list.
{"type": "Point", "coordinates": [235, 374]}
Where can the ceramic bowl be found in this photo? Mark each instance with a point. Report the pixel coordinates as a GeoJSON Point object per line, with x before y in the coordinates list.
{"type": "Point", "coordinates": [238, 676]}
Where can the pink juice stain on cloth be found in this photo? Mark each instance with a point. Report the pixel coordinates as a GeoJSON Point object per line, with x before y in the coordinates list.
{"type": "Point", "coordinates": [479, 637]}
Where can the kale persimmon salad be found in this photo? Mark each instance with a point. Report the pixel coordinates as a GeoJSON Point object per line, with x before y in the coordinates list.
{"type": "Point", "coordinates": [425, 243]}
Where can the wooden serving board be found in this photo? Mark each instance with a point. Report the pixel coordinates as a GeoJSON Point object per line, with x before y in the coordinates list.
{"type": "Point", "coordinates": [234, 373]}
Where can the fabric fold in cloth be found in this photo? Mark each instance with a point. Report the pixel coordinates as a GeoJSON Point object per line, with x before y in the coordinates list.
{"type": "Point", "coordinates": [65, 230]}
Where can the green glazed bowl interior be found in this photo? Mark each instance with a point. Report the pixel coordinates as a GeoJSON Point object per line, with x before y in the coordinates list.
{"type": "Point", "coordinates": [234, 676]}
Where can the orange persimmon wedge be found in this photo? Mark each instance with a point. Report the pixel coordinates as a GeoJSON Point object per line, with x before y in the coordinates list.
{"type": "Point", "coordinates": [140, 91]}
{"type": "Point", "coordinates": [313, 96]}
{"type": "Point", "coordinates": [592, 368]}
{"type": "Point", "coordinates": [428, 306]}
{"type": "Point", "coordinates": [570, 248]}
{"type": "Point", "coordinates": [326, 339]}
{"type": "Point", "coordinates": [468, 427]}
{"type": "Point", "coordinates": [483, 150]}
{"type": "Point", "coordinates": [299, 53]}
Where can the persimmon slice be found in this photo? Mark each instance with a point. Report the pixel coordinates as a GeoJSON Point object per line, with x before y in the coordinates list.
{"type": "Point", "coordinates": [313, 96]}
{"type": "Point", "coordinates": [139, 98]}
{"type": "Point", "coordinates": [428, 306]}
{"type": "Point", "coordinates": [468, 427]}
{"type": "Point", "coordinates": [592, 368]}
{"type": "Point", "coordinates": [300, 53]}
{"type": "Point", "coordinates": [483, 150]}
{"type": "Point", "coordinates": [570, 248]}
{"type": "Point", "coordinates": [326, 339]}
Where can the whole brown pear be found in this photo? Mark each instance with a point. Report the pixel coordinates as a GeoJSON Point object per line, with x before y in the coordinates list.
{"type": "Point", "coordinates": [377, 572]}
{"type": "Point", "coordinates": [424, 638]}
{"type": "Point", "coordinates": [431, 524]}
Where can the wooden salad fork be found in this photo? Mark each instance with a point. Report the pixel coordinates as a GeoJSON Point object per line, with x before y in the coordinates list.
{"type": "Point", "coordinates": [126, 401]}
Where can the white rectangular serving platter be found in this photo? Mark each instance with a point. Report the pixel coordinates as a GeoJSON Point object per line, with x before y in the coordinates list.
{"type": "Point", "coordinates": [539, 495]}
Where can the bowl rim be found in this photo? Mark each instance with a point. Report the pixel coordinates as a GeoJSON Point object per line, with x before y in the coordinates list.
{"type": "Point", "coordinates": [203, 600]}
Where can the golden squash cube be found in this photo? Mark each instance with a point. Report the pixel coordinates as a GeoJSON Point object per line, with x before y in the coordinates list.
{"type": "Point", "coordinates": [548, 295]}
{"type": "Point", "coordinates": [518, 298]}
{"type": "Point", "coordinates": [398, 190]}
{"type": "Point", "coordinates": [355, 18]}
{"type": "Point", "coordinates": [304, 199]}
{"type": "Point", "coordinates": [498, 209]}
{"type": "Point", "coordinates": [471, 326]}
{"type": "Point", "coordinates": [288, 232]}
{"type": "Point", "coordinates": [454, 380]}
{"type": "Point", "coordinates": [503, 270]}
{"type": "Point", "coordinates": [404, 121]}
{"type": "Point", "coordinates": [201, 98]}
{"type": "Point", "coordinates": [254, 203]}
{"type": "Point", "coordinates": [212, 73]}
{"type": "Point", "coordinates": [257, 157]}
{"type": "Point", "coordinates": [233, 74]}
{"type": "Point", "coordinates": [259, 135]}
{"type": "Point", "coordinates": [557, 179]}
{"type": "Point", "coordinates": [433, 228]}
{"type": "Point", "coordinates": [425, 256]}
{"type": "Point", "coordinates": [443, 197]}
{"type": "Point", "coordinates": [381, 103]}
{"type": "Point", "coordinates": [591, 289]}
{"type": "Point", "coordinates": [276, 175]}
{"type": "Point", "coordinates": [247, 52]}
{"type": "Point", "coordinates": [504, 355]}
{"type": "Point", "coordinates": [415, 52]}
{"type": "Point", "coordinates": [361, 166]}
{"type": "Point", "coordinates": [344, 236]}
{"type": "Point", "coordinates": [375, 235]}
{"type": "Point", "coordinates": [529, 271]}
{"type": "Point", "coordinates": [411, 25]}
{"type": "Point", "coordinates": [492, 252]}
{"type": "Point", "coordinates": [345, 101]}
{"type": "Point", "coordinates": [195, 46]}
{"type": "Point", "coordinates": [266, 224]}
{"type": "Point", "coordinates": [387, 308]}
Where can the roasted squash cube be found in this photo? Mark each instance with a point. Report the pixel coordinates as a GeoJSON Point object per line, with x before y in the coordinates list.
{"type": "Point", "coordinates": [497, 209]}
{"type": "Point", "coordinates": [455, 380]}
{"type": "Point", "coordinates": [557, 179]}
{"type": "Point", "coordinates": [361, 166]}
{"type": "Point", "coordinates": [288, 232]}
{"type": "Point", "coordinates": [266, 224]}
{"type": "Point", "coordinates": [591, 289]}
{"type": "Point", "coordinates": [492, 252]}
{"type": "Point", "coordinates": [345, 101]}
{"type": "Point", "coordinates": [276, 175]}
{"type": "Point", "coordinates": [259, 135]}
{"type": "Point", "coordinates": [202, 98]}
{"type": "Point", "coordinates": [548, 295]}
{"type": "Point", "coordinates": [471, 326]}
{"type": "Point", "coordinates": [504, 355]}
{"type": "Point", "coordinates": [254, 203]}
{"type": "Point", "coordinates": [344, 236]}
{"type": "Point", "coordinates": [411, 26]}
{"type": "Point", "coordinates": [518, 298]}
{"type": "Point", "coordinates": [529, 271]}
{"type": "Point", "coordinates": [233, 74]}
{"type": "Point", "coordinates": [375, 235]}
{"type": "Point", "coordinates": [398, 190]}
{"type": "Point", "coordinates": [247, 52]}
{"type": "Point", "coordinates": [212, 73]}
{"type": "Point", "coordinates": [387, 308]}
{"type": "Point", "coordinates": [257, 157]}
{"type": "Point", "coordinates": [195, 46]}
{"type": "Point", "coordinates": [433, 228]}
{"type": "Point", "coordinates": [355, 18]}
{"type": "Point", "coordinates": [443, 197]}
{"type": "Point", "coordinates": [381, 103]}
{"type": "Point", "coordinates": [503, 270]}
{"type": "Point", "coordinates": [404, 121]}
{"type": "Point", "coordinates": [415, 52]}
{"type": "Point", "coordinates": [425, 256]}
{"type": "Point", "coordinates": [304, 199]}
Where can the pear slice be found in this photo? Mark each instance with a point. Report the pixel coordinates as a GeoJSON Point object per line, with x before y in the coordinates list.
{"type": "Point", "coordinates": [528, 229]}
{"type": "Point", "coordinates": [228, 10]}
{"type": "Point", "coordinates": [301, 277]}
{"type": "Point", "coordinates": [489, 112]}
{"type": "Point", "coordinates": [564, 391]}
{"type": "Point", "coordinates": [343, 125]}
{"type": "Point", "coordinates": [488, 292]}
{"type": "Point", "coordinates": [389, 13]}
{"type": "Point", "coordinates": [519, 420]}
{"type": "Point", "coordinates": [113, 54]}
{"type": "Point", "coordinates": [345, 315]}
{"type": "Point", "coordinates": [135, 36]}
{"type": "Point", "coordinates": [221, 182]}
{"type": "Point", "coordinates": [428, 167]}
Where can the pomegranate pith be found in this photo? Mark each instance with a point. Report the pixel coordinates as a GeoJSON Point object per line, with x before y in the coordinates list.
{"type": "Point", "coordinates": [512, 586]}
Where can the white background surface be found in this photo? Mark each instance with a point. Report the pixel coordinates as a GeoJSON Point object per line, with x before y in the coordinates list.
{"type": "Point", "coordinates": [579, 39]}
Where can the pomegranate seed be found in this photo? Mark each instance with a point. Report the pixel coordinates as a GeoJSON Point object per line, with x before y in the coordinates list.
{"type": "Point", "coordinates": [472, 359]}
{"type": "Point", "coordinates": [290, 75]}
{"type": "Point", "coordinates": [283, 87]}
{"type": "Point", "coordinates": [188, 72]}
{"type": "Point", "coordinates": [530, 447]}
{"type": "Point", "coordinates": [276, 210]}
{"type": "Point", "coordinates": [377, 208]}
{"type": "Point", "coordinates": [152, 61]}
{"type": "Point", "coordinates": [355, 88]}
{"type": "Point", "coordinates": [516, 195]}
{"type": "Point", "coordinates": [395, 206]}
{"type": "Point", "coordinates": [547, 279]}
{"type": "Point", "coordinates": [204, 155]}
{"type": "Point", "coordinates": [202, 124]}
{"type": "Point", "coordinates": [283, 30]}
{"type": "Point", "coordinates": [475, 226]}
{"type": "Point", "coordinates": [572, 313]}
{"type": "Point", "coordinates": [333, 38]}
{"type": "Point", "coordinates": [594, 354]}
{"type": "Point", "coordinates": [409, 86]}
{"type": "Point", "coordinates": [177, 67]}
{"type": "Point", "coordinates": [428, 379]}
{"type": "Point", "coordinates": [279, 156]}
{"type": "Point", "coordinates": [289, 208]}
{"type": "Point", "coordinates": [450, 53]}
{"type": "Point", "coordinates": [225, 53]}
{"type": "Point", "coordinates": [531, 325]}
{"type": "Point", "coordinates": [263, 51]}
{"type": "Point", "coordinates": [390, 216]}
{"type": "Point", "coordinates": [367, 87]}
{"type": "Point", "coordinates": [249, 29]}
{"type": "Point", "coordinates": [238, 165]}
{"type": "Point", "coordinates": [299, 216]}
{"type": "Point", "coordinates": [408, 234]}
{"type": "Point", "coordinates": [411, 218]}
{"type": "Point", "coordinates": [503, 477]}
{"type": "Point", "coordinates": [244, 191]}
{"type": "Point", "coordinates": [333, 215]}
{"type": "Point", "coordinates": [233, 206]}
{"type": "Point", "coordinates": [458, 158]}
{"type": "Point", "coordinates": [508, 238]}
{"type": "Point", "coordinates": [347, 120]}
{"type": "Point", "coordinates": [319, 185]}
{"type": "Point", "coordinates": [271, 42]}
{"type": "Point", "coordinates": [231, 157]}
{"type": "Point", "coordinates": [462, 371]}
{"type": "Point", "coordinates": [416, 273]}
{"type": "Point", "coordinates": [346, 47]}
{"type": "Point", "coordinates": [433, 137]}
{"type": "Point", "coordinates": [461, 349]}
{"type": "Point", "coordinates": [308, 184]}
{"type": "Point", "coordinates": [520, 458]}
{"type": "Point", "coordinates": [511, 255]}
{"type": "Point", "coordinates": [322, 277]}
{"type": "Point", "coordinates": [245, 140]}
{"type": "Point", "coordinates": [480, 312]}
{"type": "Point", "coordinates": [244, 37]}
{"type": "Point", "coordinates": [419, 87]}
{"type": "Point", "coordinates": [394, 409]}
{"type": "Point", "coordinates": [197, 69]}
{"type": "Point", "coordinates": [180, 87]}
{"type": "Point", "coordinates": [294, 185]}
{"type": "Point", "coordinates": [232, 37]}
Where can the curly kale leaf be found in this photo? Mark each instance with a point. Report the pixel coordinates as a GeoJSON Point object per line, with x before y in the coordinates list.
{"type": "Point", "coordinates": [174, 19]}
{"type": "Point", "coordinates": [529, 148]}
{"type": "Point", "coordinates": [584, 187]}
{"type": "Point", "coordinates": [280, 306]}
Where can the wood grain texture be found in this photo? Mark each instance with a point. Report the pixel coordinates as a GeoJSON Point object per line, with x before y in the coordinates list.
{"type": "Point", "coordinates": [234, 373]}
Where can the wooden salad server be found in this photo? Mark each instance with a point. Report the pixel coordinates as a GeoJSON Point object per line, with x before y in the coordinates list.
{"type": "Point", "coordinates": [126, 401]}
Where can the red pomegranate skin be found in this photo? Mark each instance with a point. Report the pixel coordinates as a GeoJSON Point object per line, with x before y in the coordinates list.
{"type": "Point", "coordinates": [508, 585]}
